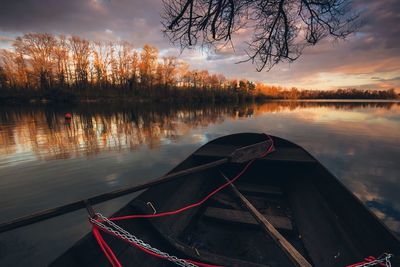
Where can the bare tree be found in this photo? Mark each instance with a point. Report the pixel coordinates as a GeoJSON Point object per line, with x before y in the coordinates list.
{"type": "Point", "coordinates": [169, 66]}
{"type": "Point", "coordinates": [148, 64]}
{"type": "Point", "coordinates": [134, 70]}
{"type": "Point", "coordinates": [279, 29]}
{"type": "Point", "coordinates": [80, 50]}
{"type": "Point", "coordinates": [124, 54]}
{"type": "Point", "coordinates": [9, 68]}
{"type": "Point", "coordinates": [61, 58]}
{"type": "Point", "coordinates": [39, 49]}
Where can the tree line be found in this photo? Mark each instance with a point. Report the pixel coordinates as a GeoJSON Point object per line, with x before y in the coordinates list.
{"type": "Point", "coordinates": [278, 92]}
{"type": "Point", "coordinates": [42, 62]}
{"type": "Point", "coordinates": [71, 67]}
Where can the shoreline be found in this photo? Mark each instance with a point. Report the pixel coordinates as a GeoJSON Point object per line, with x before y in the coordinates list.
{"type": "Point", "coordinates": [195, 100]}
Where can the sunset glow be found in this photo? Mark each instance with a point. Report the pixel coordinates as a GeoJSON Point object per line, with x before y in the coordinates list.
{"type": "Point", "coordinates": [368, 59]}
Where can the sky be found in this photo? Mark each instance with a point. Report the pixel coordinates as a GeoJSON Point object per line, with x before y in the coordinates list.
{"type": "Point", "coordinates": [368, 59]}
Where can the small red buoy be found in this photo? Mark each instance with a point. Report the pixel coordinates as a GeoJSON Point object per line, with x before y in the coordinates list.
{"type": "Point", "coordinates": [68, 116]}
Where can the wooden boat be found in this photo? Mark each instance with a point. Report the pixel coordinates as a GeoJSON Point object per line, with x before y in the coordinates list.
{"type": "Point", "coordinates": [308, 206]}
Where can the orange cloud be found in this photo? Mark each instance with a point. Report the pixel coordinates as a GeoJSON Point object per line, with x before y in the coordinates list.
{"type": "Point", "coordinates": [378, 65]}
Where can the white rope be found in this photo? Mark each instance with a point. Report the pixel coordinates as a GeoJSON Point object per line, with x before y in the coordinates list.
{"type": "Point", "coordinates": [125, 235]}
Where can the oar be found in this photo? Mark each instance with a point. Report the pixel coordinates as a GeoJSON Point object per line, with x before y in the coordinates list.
{"type": "Point", "coordinates": [289, 250]}
{"type": "Point", "coordinates": [240, 155]}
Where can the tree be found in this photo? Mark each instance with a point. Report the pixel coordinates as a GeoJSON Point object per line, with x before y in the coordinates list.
{"type": "Point", "coordinates": [61, 61]}
{"type": "Point", "coordinates": [280, 28]}
{"type": "Point", "coordinates": [148, 64]}
{"type": "Point", "coordinates": [124, 54]}
{"type": "Point", "coordinates": [134, 73]}
{"type": "Point", "coordinates": [80, 50]}
{"type": "Point", "coordinates": [183, 74]}
{"type": "Point", "coordinates": [170, 70]}
{"type": "Point", "coordinates": [9, 69]}
{"type": "Point", "coordinates": [39, 49]}
{"type": "Point", "coordinates": [3, 78]}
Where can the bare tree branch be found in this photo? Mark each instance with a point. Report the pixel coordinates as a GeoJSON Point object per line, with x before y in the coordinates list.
{"type": "Point", "coordinates": [280, 29]}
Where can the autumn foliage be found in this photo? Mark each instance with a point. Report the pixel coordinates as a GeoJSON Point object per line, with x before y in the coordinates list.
{"type": "Point", "coordinates": [44, 66]}
{"type": "Point", "coordinates": [41, 62]}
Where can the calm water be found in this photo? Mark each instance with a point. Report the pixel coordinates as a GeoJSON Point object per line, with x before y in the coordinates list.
{"type": "Point", "coordinates": [45, 162]}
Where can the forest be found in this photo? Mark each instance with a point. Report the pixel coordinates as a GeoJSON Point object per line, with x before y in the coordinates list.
{"type": "Point", "coordinates": [70, 68]}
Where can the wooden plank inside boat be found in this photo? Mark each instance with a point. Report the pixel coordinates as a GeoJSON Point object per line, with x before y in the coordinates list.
{"type": "Point", "coordinates": [215, 151]}
{"type": "Point", "coordinates": [284, 154]}
{"type": "Point", "coordinates": [238, 216]}
{"type": "Point", "coordinates": [263, 189]}
{"type": "Point", "coordinates": [290, 154]}
{"type": "Point", "coordinates": [225, 201]}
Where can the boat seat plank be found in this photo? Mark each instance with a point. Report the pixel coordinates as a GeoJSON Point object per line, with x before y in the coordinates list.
{"type": "Point", "coordinates": [284, 154]}
{"type": "Point", "coordinates": [256, 200]}
{"type": "Point", "coordinates": [290, 154]}
{"type": "Point", "coordinates": [263, 189]}
{"type": "Point", "coordinates": [207, 256]}
{"type": "Point", "coordinates": [238, 216]}
{"type": "Point", "coordinates": [215, 150]}
{"type": "Point", "coordinates": [226, 201]}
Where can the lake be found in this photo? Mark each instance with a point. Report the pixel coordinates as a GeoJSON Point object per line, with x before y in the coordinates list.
{"type": "Point", "coordinates": [46, 161]}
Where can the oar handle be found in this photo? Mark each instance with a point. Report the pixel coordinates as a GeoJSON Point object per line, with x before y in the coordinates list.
{"type": "Point", "coordinates": [60, 210]}
{"type": "Point", "coordinates": [240, 155]}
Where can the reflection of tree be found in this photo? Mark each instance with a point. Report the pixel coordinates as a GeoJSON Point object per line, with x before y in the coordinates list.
{"type": "Point", "coordinates": [96, 128]}
{"type": "Point", "coordinates": [277, 106]}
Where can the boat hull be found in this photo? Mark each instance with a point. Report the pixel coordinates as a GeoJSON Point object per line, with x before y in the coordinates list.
{"type": "Point", "coordinates": [317, 214]}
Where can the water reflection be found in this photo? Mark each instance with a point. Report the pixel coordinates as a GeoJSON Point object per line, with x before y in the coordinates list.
{"type": "Point", "coordinates": [46, 134]}
{"type": "Point", "coordinates": [46, 161]}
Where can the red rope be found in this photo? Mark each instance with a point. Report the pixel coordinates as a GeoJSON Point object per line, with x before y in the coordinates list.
{"type": "Point", "coordinates": [193, 205]}
{"type": "Point", "coordinates": [111, 256]}
{"type": "Point", "coordinates": [105, 248]}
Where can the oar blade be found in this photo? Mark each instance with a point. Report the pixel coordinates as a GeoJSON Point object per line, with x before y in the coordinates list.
{"type": "Point", "coordinates": [250, 152]}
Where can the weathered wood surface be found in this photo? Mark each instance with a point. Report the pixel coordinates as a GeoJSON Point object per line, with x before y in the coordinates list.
{"type": "Point", "coordinates": [284, 154]}
{"type": "Point", "coordinates": [321, 232]}
{"type": "Point", "coordinates": [263, 189]}
{"type": "Point", "coordinates": [291, 252]}
{"type": "Point", "coordinates": [290, 154]}
{"type": "Point", "coordinates": [215, 150]}
{"type": "Point", "coordinates": [226, 201]}
{"type": "Point", "coordinates": [238, 216]}
{"type": "Point", "coordinates": [237, 154]}
{"type": "Point", "coordinates": [60, 210]}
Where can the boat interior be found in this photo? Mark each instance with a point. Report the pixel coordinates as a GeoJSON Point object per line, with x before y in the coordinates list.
{"type": "Point", "coordinates": [309, 207]}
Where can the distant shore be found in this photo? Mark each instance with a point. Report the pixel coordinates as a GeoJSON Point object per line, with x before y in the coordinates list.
{"type": "Point", "coordinates": [47, 68]}
{"type": "Point", "coordinates": [35, 97]}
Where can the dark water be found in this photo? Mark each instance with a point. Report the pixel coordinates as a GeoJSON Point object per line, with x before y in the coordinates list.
{"type": "Point", "coordinates": [45, 162]}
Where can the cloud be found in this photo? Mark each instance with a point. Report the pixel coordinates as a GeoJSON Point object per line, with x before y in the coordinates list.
{"type": "Point", "coordinates": [374, 51]}
{"type": "Point", "coordinates": [6, 41]}
{"type": "Point", "coordinates": [130, 20]}
{"type": "Point", "coordinates": [386, 80]}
